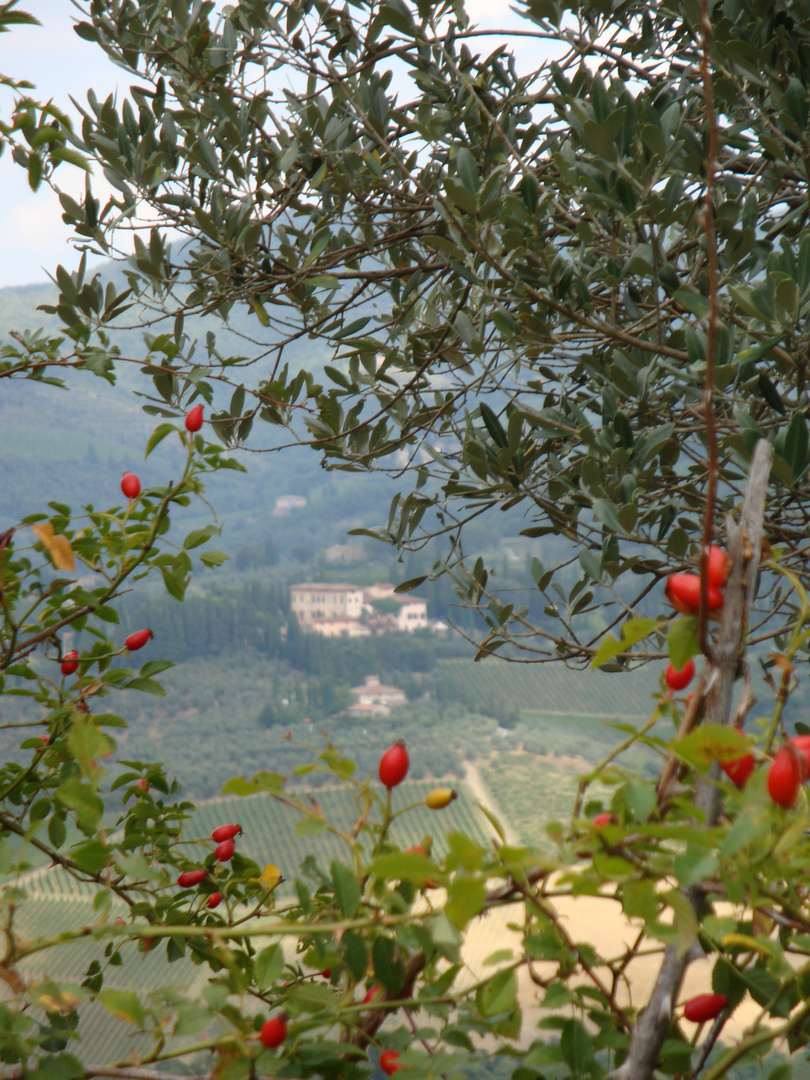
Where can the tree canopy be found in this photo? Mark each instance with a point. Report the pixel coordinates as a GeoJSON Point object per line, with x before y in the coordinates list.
{"type": "Point", "coordinates": [498, 239]}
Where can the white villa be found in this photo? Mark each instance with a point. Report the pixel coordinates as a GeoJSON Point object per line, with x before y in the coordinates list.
{"type": "Point", "coordinates": [333, 610]}
{"type": "Point", "coordinates": [375, 699]}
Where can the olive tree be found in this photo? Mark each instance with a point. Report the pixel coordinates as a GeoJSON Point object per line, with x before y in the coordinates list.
{"type": "Point", "coordinates": [522, 267]}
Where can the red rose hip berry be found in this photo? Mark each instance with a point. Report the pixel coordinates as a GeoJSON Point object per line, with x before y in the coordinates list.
{"type": "Point", "coordinates": [704, 1007]}
{"type": "Point", "coordinates": [130, 485]}
{"type": "Point", "coordinates": [679, 678]}
{"type": "Point", "coordinates": [740, 768]}
{"type": "Point", "coordinates": [138, 639]}
{"type": "Point", "coordinates": [274, 1032]}
{"type": "Point", "coordinates": [142, 784]}
{"type": "Point", "coordinates": [394, 765]}
{"type": "Point", "coordinates": [683, 592]}
{"type": "Point", "coordinates": [389, 1062]}
{"type": "Point", "coordinates": [70, 662]}
{"type": "Point", "coordinates": [225, 832]}
{"type": "Point", "coordinates": [194, 419]}
{"type": "Point", "coordinates": [601, 820]}
{"type": "Point", "coordinates": [189, 878]}
{"type": "Point", "coordinates": [372, 994]}
{"type": "Point", "coordinates": [785, 777]}
{"type": "Point", "coordinates": [802, 744]}
{"type": "Point", "coordinates": [224, 851]}
{"type": "Point", "coordinates": [214, 900]}
{"type": "Point", "coordinates": [719, 566]}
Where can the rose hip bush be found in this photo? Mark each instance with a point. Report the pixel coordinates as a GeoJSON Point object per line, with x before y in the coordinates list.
{"type": "Point", "coordinates": [381, 927]}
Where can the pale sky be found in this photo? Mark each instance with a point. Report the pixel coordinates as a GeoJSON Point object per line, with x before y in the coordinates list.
{"type": "Point", "coordinates": [33, 238]}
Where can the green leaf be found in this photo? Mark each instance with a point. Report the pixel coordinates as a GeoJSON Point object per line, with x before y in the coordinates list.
{"type": "Point", "coordinates": [685, 919]}
{"type": "Point", "coordinates": [239, 785]}
{"type": "Point", "coordinates": [125, 1005]}
{"type": "Point", "coordinates": [405, 866]}
{"type": "Point", "coordinates": [73, 157]}
{"type": "Point", "coordinates": [411, 583]}
{"type": "Point", "coordinates": [106, 614]}
{"type": "Point", "coordinates": [465, 899]}
{"type": "Point", "coordinates": [154, 667]}
{"type": "Point", "coordinates": [598, 141]}
{"type": "Point", "coordinates": [468, 170]}
{"type": "Point", "coordinates": [268, 781]}
{"type": "Point", "coordinates": [176, 584]}
{"type": "Point", "coordinates": [199, 536]}
{"type": "Point", "coordinates": [590, 564]}
{"type": "Point", "coordinates": [58, 1067]}
{"type": "Point", "coordinates": [259, 309]}
{"type": "Point", "coordinates": [682, 640]}
{"type": "Point", "coordinates": [309, 827]}
{"type": "Point", "coordinates": [82, 799]}
{"type": "Point", "coordinates": [493, 820]}
{"type": "Point", "coordinates": [355, 953]}
{"type": "Point", "coordinates": [88, 744]}
{"type": "Point", "coordinates": [213, 558]}
{"type": "Point", "coordinates": [347, 889]}
{"type": "Point", "coordinates": [693, 302]}
{"type": "Point", "coordinates": [268, 966]}
{"type": "Point", "coordinates": [57, 832]}
{"type": "Point", "coordinates": [633, 631]}
{"type": "Point", "coordinates": [712, 742]}
{"type": "Point", "coordinates": [493, 425]}
{"type": "Point", "coordinates": [157, 437]}
{"type": "Point", "coordinates": [770, 394]}
{"type": "Point", "coordinates": [795, 449]}
{"type": "Point", "coordinates": [694, 865]}
{"type": "Point", "coordinates": [497, 995]}
{"type": "Point", "coordinates": [323, 281]}
{"type": "Point", "coordinates": [92, 856]}
{"type": "Point", "coordinates": [388, 964]}
{"type": "Point", "coordinates": [577, 1049]}
{"type": "Point", "coordinates": [146, 686]}
{"type": "Point", "coordinates": [605, 512]}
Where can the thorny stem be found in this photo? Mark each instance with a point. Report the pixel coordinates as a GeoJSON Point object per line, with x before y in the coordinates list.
{"type": "Point", "coordinates": [215, 935]}
{"type": "Point", "coordinates": [744, 543]}
{"type": "Point", "coordinates": [711, 329]}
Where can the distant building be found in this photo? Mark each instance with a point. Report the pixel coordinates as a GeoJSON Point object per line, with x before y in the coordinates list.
{"type": "Point", "coordinates": [375, 699]}
{"type": "Point", "coordinates": [344, 553]}
{"type": "Point", "coordinates": [285, 504]}
{"type": "Point", "coordinates": [412, 614]}
{"type": "Point", "coordinates": [313, 602]}
{"type": "Point", "coordinates": [334, 610]}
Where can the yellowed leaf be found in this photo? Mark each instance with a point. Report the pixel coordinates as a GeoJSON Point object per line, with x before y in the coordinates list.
{"type": "Point", "coordinates": [270, 876]}
{"type": "Point", "coordinates": [745, 941]}
{"type": "Point", "coordinates": [58, 547]}
{"type": "Point", "coordinates": [53, 998]}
